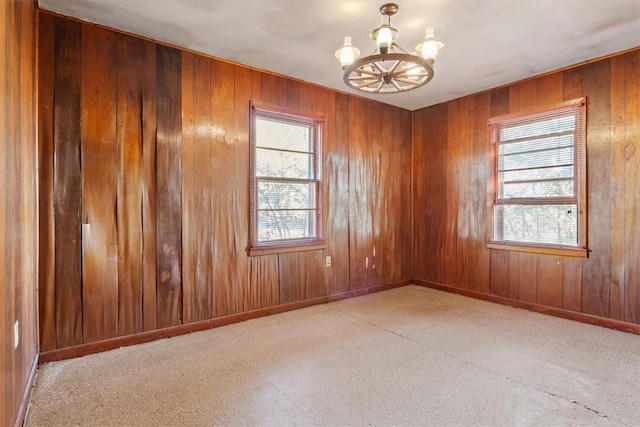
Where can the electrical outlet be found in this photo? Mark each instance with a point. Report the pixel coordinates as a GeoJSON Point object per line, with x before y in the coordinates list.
{"type": "Point", "coordinates": [327, 261]}
{"type": "Point", "coordinates": [16, 334]}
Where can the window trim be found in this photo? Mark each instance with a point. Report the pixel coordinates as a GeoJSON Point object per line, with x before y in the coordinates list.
{"type": "Point", "coordinates": [287, 245]}
{"type": "Point", "coordinates": [580, 180]}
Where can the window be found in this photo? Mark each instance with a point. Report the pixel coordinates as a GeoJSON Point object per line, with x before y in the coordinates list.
{"type": "Point", "coordinates": [286, 186]}
{"type": "Point", "coordinates": [537, 192]}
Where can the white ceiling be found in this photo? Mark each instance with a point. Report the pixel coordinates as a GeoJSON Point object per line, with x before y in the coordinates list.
{"type": "Point", "coordinates": [487, 43]}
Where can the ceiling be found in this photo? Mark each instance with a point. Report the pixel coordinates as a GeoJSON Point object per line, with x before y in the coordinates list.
{"type": "Point", "coordinates": [487, 43]}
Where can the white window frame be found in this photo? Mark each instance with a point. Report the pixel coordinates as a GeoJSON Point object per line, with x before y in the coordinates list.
{"type": "Point", "coordinates": [284, 115]}
{"type": "Point", "coordinates": [495, 201]}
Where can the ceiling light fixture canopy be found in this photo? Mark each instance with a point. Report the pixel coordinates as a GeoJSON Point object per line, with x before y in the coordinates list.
{"type": "Point", "coordinates": [389, 68]}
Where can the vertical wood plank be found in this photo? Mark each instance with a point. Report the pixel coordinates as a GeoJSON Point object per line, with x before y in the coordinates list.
{"type": "Point", "coordinates": [549, 280]}
{"type": "Point", "coordinates": [439, 184]}
{"type": "Point", "coordinates": [67, 184]}
{"type": "Point", "coordinates": [595, 269]}
{"type": "Point", "coordinates": [336, 176]}
{"type": "Point", "coordinates": [314, 99]}
{"type": "Point", "coordinates": [500, 273]}
{"type": "Point", "coordinates": [395, 190]}
{"type": "Point", "coordinates": [463, 186]}
{"type": "Point", "coordinates": [474, 194]}
{"type": "Point", "coordinates": [527, 277]}
{"type": "Point", "coordinates": [169, 186]}
{"type": "Point", "coordinates": [149, 200]}
{"type": "Point", "coordinates": [483, 112]}
{"type": "Point", "coordinates": [6, 403]}
{"type": "Point", "coordinates": [28, 176]}
{"type": "Point", "coordinates": [632, 188]}
{"type": "Point", "coordinates": [200, 217]}
{"type": "Point", "coordinates": [514, 275]}
{"type": "Point", "coordinates": [363, 195]}
{"type": "Point", "coordinates": [18, 206]}
{"type": "Point", "coordinates": [572, 284]}
{"type": "Point", "coordinates": [550, 89]}
{"type": "Point", "coordinates": [289, 277]}
{"type": "Point", "coordinates": [222, 182]}
{"type": "Point", "coordinates": [420, 166]}
{"type": "Point", "coordinates": [572, 83]}
{"type": "Point", "coordinates": [99, 206]}
{"type": "Point", "coordinates": [191, 302]}
{"type": "Point", "coordinates": [452, 196]}
{"type": "Point", "coordinates": [46, 233]}
{"type": "Point", "coordinates": [129, 180]}
{"type": "Point", "coordinates": [247, 296]}
{"type": "Point", "coordinates": [618, 235]}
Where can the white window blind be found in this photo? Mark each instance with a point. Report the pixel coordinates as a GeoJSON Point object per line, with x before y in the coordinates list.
{"type": "Point", "coordinates": [538, 183]}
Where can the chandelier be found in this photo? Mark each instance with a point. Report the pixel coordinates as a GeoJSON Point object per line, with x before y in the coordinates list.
{"type": "Point", "coordinates": [389, 68]}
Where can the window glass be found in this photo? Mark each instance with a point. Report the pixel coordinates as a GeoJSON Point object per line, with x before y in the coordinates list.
{"type": "Point", "coordinates": [285, 179]}
{"type": "Point", "coordinates": [538, 184]}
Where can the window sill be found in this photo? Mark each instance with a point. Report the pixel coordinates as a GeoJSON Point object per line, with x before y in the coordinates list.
{"type": "Point", "coordinates": [281, 249]}
{"type": "Point", "coordinates": [546, 250]}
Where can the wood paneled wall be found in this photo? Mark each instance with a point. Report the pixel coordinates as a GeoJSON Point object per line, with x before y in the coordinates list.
{"type": "Point", "coordinates": [144, 189]}
{"type": "Point", "coordinates": [449, 195]}
{"type": "Point", "coordinates": [18, 206]}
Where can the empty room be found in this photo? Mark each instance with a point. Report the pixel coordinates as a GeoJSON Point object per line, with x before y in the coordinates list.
{"type": "Point", "coordinates": [278, 212]}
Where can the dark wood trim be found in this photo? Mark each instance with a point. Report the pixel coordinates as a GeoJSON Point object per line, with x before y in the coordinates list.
{"type": "Point", "coordinates": [143, 337]}
{"type": "Point", "coordinates": [538, 308]}
{"type": "Point", "coordinates": [26, 394]}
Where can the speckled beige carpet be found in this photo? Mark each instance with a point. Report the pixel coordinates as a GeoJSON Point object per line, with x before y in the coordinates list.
{"type": "Point", "coordinates": [408, 356]}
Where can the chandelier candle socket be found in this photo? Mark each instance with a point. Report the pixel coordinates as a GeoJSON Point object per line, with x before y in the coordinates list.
{"type": "Point", "coordinates": [389, 68]}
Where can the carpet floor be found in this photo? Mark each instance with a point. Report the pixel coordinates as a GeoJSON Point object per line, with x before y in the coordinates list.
{"type": "Point", "coordinates": [407, 356]}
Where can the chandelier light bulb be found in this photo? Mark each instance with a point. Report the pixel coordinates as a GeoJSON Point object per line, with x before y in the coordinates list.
{"type": "Point", "coordinates": [347, 54]}
{"type": "Point", "coordinates": [430, 46]}
{"type": "Point", "coordinates": [384, 38]}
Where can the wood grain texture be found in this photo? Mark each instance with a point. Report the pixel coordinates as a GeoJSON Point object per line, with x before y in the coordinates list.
{"type": "Point", "coordinates": [436, 201]}
{"type": "Point", "coordinates": [549, 280]}
{"type": "Point", "coordinates": [595, 269]}
{"type": "Point", "coordinates": [336, 200]}
{"type": "Point", "coordinates": [482, 110]}
{"type": "Point", "coordinates": [169, 186]}
{"type": "Point", "coordinates": [191, 302]}
{"type": "Point", "coordinates": [617, 286]}
{"type": "Point", "coordinates": [46, 237]}
{"type": "Point", "coordinates": [221, 159]}
{"type": "Point", "coordinates": [99, 188]}
{"type": "Point", "coordinates": [249, 298]}
{"type": "Point", "coordinates": [148, 188]}
{"type": "Point", "coordinates": [67, 184]}
{"type": "Point", "coordinates": [364, 195]}
{"type": "Point", "coordinates": [519, 288]}
{"type": "Point", "coordinates": [18, 206]}
{"type": "Point", "coordinates": [395, 187]}
{"type": "Point", "coordinates": [500, 273]}
{"type": "Point", "coordinates": [452, 195]}
{"type": "Point", "coordinates": [632, 188]}
{"type": "Point", "coordinates": [129, 189]}
{"type": "Point", "coordinates": [571, 284]}
{"type": "Point", "coordinates": [527, 276]}
{"type": "Point", "coordinates": [463, 190]}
